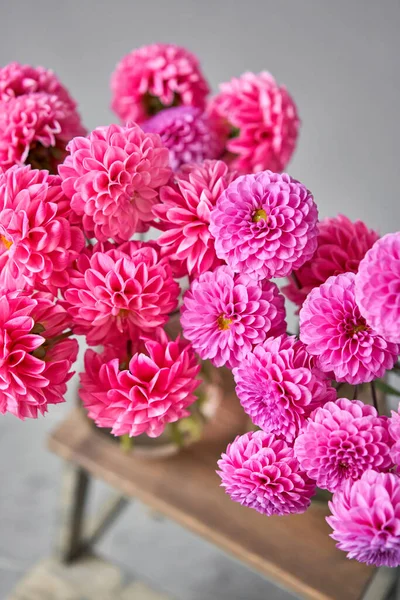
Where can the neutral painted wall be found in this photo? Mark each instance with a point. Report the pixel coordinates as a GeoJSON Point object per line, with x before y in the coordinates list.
{"type": "Point", "coordinates": [340, 60]}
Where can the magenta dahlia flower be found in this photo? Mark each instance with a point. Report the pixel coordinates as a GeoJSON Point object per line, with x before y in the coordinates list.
{"type": "Point", "coordinates": [279, 385]}
{"type": "Point", "coordinates": [342, 244]}
{"type": "Point", "coordinates": [394, 430]}
{"type": "Point", "coordinates": [155, 77]}
{"type": "Point", "coordinates": [378, 287]}
{"type": "Point", "coordinates": [341, 440]}
{"type": "Point", "coordinates": [112, 178]}
{"type": "Point", "coordinates": [332, 327]}
{"type": "Point", "coordinates": [36, 244]}
{"type": "Point", "coordinates": [35, 129]}
{"type": "Point", "coordinates": [19, 80]}
{"type": "Point", "coordinates": [187, 133]}
{"type": "Point", "coordinates": [260, 122]}
{"type": "Point", "coordinates": [35, 359]}
{"type": "Point", "coordinates": [265, 225]}
{"type": "Point", "coordinates": [261, 472]}
{"type": "Point", "coordinates": [155, 387]}
{"type": "Point", "coordinates": [366, 519]}
{"type": "Point", "coordinates": [224, 315]}
{"type": "Point", "coordinates": [112, 294]}
{"type": "Point", "coordinates": [184, 216]}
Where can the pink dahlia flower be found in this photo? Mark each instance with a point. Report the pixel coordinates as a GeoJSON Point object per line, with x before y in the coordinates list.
{"type": "Point", "coordinates": [342, 244]}
{"type": "Point", "coordinates": [35, 359]}
{"type": "Point", "coordinates": [265, 225]}
{"type": "Point", "coordinates": [260, 122]}
{"type": "Point", "coordinates": [36, 244]}
{"type": "Point", "coordinates": [261, 472]}
{"type": "Point", "coordinates": [394, 430]}
{"type": "Point", "coordinates": [187, 133]}
{"type": "Point", "coordinates": [184, 216]}
{"type": "Point", "coordinates": [333, 329]}
{"type": "Point", "coordinates": [340, 441]}
{"type": "Point", "coordinates": [154, 389]}
{"type": "Point", "coordinates": [113, 294]}
{"type": "Point", "coordinates": [224, 315]}
{"type": "Point", "coordinates": [279, 385]}
{"type": "Point", "coordinates": [366, 519]}
{"type": "Point", "coordinates": [378, 287]}
{"type": "Point", "coordinates": [19, 80]}
{"type": "Point", "coordinates": [155, 77]}
{"type": "Point", "coordinates": [112, 178]}
{"type": "Point", "coordinates": [35, 129]}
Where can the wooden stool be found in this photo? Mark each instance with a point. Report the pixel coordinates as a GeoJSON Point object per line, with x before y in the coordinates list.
{"type": "Point", "coordinates": [295, 552]}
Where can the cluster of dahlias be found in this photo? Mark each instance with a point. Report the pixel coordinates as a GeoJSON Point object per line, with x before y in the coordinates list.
{"type": "Point", "coordinates": [207, 174]}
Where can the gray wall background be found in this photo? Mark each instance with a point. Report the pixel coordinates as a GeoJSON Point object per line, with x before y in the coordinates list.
{"type": "Point", "coordinates": [339, 59]}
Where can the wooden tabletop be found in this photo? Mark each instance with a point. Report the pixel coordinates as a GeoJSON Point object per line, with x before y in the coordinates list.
{"type": "Point", "coordinates": [294, 551]}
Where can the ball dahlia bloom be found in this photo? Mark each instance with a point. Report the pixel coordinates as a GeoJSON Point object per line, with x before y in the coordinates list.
{"type": "Point", "coordinates": [279, 385]}
{"type": "Point", "coordinates": [184, 217]}
{"type": "Point", "coordinates": [18, 80]}
{"type": "Point", "coordinates": [155, 77]}
{"type": "Point", "coordinates": [378, 287]}
{"type": "Point", "coordinates": [155, 387]}
{"type": "Point", "coordinates": [37, 245]}
{"type": "Point", "coordinates": [261, 472]}
{"type": "Point", "coordinates": [112, 178]}
{"type": "Point", "coordinates": [342, 244]}
{"type": "Point", "coordinates": [113, 294]}
{"type": "Point", "coordinates": [332, 327]}
{"type": "Point", "coordinates": [341, 440]}
{"type": "Point", "coordinates": [394, 430]}
{"type": "Point", "coordinates": [187, 133]}
{"type": "Point", "coordinates": [260, 122]}
{"type": "Point", "coordinates": [224, 315]}
{"type": "Point", "coordinates": [35, 359]}
{"type": "Point", "coordinates": [35, 129]}
{"type": "Point", "coordinates": [265, 225]}
{"type": "Point", "coordinates": [366, 519]}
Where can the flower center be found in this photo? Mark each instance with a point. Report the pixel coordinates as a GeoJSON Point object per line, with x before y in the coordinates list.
{"type": "Point", "coordinates": [361, 327]}
{"type": "Point", "coordinates": [259, 215]}
{"type": "Point", "coordinates": [6, 242]}
{"type": "Point", "coordinates": [224, 322]}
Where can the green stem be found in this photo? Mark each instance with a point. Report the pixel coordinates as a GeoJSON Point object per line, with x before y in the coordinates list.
{"type": "Point", "coordinates": [176, 434]}
{"type": "Point", "coordinates": [126, 443]}
{"type": "Point", "coordinates": [374, 396]}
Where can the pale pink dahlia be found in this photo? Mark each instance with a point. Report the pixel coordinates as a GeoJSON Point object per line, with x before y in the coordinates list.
{"type": "Point", "coordinates": [265, 225]}
{"type": "Point", "coordinates": [332, 327]}
{"type": "Point", "coordinates": [35, 360]}
{"type": "Point", "coordinates": [112, 294]}
{"type": "Point", "coordinates": [184, 216]}
{"type": "Point", "coordinates": [342, 244]}
{"type": "Point", "coordinates": [378, 287]}
{"type": "Point", "coordinates": [35, 129]}
{"type": "Point", "coordinates": [36, 244]}
{"type": "Point", "coordinates": [366, 519]}
{"type": "Point", "coordinates": [112, 177]}
{"type": "Point", "coordinates": [155, 77]}
{"type": "Point", "coordinates": [224, 315]}
{"type": "Point", "coordinates": [261, 472]}
{"type": "Point", "coordinates": [143, 394]}
{"type": "Point", "coordinates": [279, 386]}
{"type": "Point", "coordinates": [260, 122]}
{"type": "Point", "coordinates": [187, 133]}
{"type": "Point", "coordinates": [394, 430]}
{"type": "Point", "coordinates": [341, 440]}
{"type": "Point", "coordinates": [18, 80]}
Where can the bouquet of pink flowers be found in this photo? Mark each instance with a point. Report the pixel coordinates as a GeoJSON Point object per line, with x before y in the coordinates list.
{"type": "Point", "coordinates": [207, 174]}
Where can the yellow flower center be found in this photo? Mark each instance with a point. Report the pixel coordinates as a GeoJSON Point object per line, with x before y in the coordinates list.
{"type": "Point", "coordinates": [224, 322]}
{"type": "Point", "coordinates": [362, 327]}
{"type": "Point", "coordinates": [6, 242]}
{"type": "Point", "coordinates": [259, 215]}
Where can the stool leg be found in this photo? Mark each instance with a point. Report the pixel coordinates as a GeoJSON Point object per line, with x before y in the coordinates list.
{"type": "Point", "coordinates": [73, 503]}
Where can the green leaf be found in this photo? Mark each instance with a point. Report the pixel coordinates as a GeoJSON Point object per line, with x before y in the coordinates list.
{"type": "Point", "coordinates": [386, 388]}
